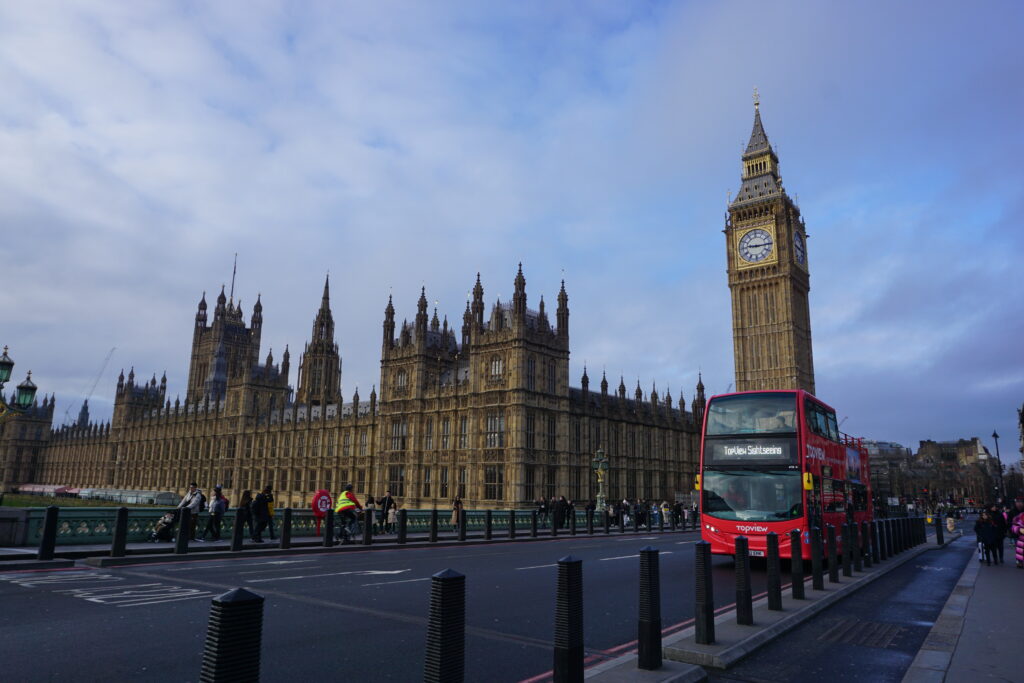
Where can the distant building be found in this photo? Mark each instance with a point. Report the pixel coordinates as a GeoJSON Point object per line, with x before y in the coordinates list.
{"type": "Point", "coordinates": [890, 464]}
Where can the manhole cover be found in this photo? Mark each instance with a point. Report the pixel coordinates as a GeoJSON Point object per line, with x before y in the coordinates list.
{"type": "Point", "coordinates": [863, 633]}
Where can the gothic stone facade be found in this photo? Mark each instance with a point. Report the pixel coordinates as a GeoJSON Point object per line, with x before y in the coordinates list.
{"type": "Point", "coordinates": [486, 414]}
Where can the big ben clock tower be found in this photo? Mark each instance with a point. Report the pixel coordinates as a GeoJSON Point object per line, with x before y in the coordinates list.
{"type": "Point", "coordinates": [768, 276]}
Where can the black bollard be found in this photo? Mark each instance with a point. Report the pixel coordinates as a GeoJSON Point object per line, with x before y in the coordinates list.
{"type": "Point", "coordinates": [607, 522]}
{"type": "Point", "coordinates": [899, 545]}
{"type": "Point", "coordinates": [672, 522]}
{"type": "Point", "coordinates": [876, 555]}
{"type": "Point", "coordinates": [649, 627]}
{"type": "Point", "coordinates": [403, 526]}
{"type": "Point", "coordinates": [184, 528]}
{"type": "Point", "coordinates": [884, 547]}
{"type": "Point", "coordinates": [817, 573]}
{"type": "Point", "coordinates": [847, 541]}
{"type": "Point", "coordinates": [622, 523]}
{"type": "Point", "coordinates": [636, 522]}
{"type": "Point", "coordinates": [511, 523]}
{"type": "Point", "coordinates": [661, 523]}
{"type": "Point", "coordinates": [533, 523]}
{"type": "Point", "coordinates": [48, 542]}
{"type": "Point", "coordinates": [890, 532]}
{"type": "Point", "coordinates": [233, 635]}
{"type": "Point", "coordinates": [463, 517]}
{"type": "Point", "coordinates": [865, 544]}
{"type": "Point", "coordinates": [568, 664]}
{"type": "Point", "coordinates": [796, 565]}
{"type": "Point", "coordinates": [286, 528]}
{"type": "Point", "coordinates": [488, 519]}
{"type": "Point", "coordinates": [833, 559]}
{"type": "Point", "coordinates": [117, 548]}
{"type": "Point", "coordinates": [744, 595]}
{"type": "Point", "coordinates": [590, 522]}
{"type": "Point", "coordinates": [327, 530]}
{"type": "Point", "coordinates": [236, 532]}
{"type": "Point", "coordinates": [433, 525]}
{"type": "Point", "coordinates": [572, 522]}
{"type": "Point", "coordinates": [939, 540]}
{"type": "Point", "coordinates": [774, 571]}
{"type": "Point", "coordinates": [368, 527]}
{"type": "Point", "coordinates": [446, 630]}
{"type": "Point", "coordinates": [555, 523]}
{"type": "Point", "coordinates": [704, 599]}
{"type": "Point", "coordinates": [855, 554]}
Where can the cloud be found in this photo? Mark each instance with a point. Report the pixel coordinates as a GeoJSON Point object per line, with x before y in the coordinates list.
{"type": "Point", "coordinates": [398, 145]}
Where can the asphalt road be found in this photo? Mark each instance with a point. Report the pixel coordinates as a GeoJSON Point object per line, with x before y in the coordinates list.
{"type": "Point", "coordinates": [361, 611]}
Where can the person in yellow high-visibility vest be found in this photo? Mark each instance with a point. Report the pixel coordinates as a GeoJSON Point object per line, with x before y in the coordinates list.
{"type": "Point", "coordinates": [348, 506]}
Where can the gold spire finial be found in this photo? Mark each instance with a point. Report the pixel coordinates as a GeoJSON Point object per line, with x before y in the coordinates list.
{"type": "Point", "coordinates": [757, 99]}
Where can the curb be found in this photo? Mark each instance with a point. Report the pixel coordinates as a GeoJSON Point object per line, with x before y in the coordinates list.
{"type": "Point", "coordinates": [736, 642]}
{"type": "Point", "coordinates": [936, 654]}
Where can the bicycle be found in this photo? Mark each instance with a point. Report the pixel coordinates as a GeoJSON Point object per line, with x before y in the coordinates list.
{"type": "Point", "coordinates": [348, 532]}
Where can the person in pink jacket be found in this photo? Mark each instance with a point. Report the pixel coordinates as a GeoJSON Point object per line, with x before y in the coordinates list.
{"type": "Point", "coordinates": [1017, 529]}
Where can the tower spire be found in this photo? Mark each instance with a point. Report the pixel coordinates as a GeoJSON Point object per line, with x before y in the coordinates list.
{"type": "Point", "coordinates": [234, 269]}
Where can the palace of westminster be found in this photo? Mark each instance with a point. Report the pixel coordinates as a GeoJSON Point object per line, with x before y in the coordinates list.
{"type": "Point", "coordinates": [485, 412]}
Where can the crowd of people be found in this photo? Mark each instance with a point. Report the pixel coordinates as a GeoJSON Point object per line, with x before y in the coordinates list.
{"type": "Point", "coordinates": [995, 524]}
{"type": "Point", "coordinates": [381, 512]}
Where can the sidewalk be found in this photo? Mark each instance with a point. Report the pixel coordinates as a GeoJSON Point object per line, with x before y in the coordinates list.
{"type": "Point", "coordinates": [977, 635]}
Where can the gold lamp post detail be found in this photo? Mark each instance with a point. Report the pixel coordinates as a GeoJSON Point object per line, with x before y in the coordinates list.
{"type": "Point", "coordinates": [600, 466]}
{"type": "Point", "coordinates": [25, 395]}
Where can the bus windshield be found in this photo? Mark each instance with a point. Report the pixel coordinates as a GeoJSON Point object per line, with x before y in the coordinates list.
{"type": "Point", "coordinates": [752, 414]}
{"type": "Point", "coordinates": [753, 495]}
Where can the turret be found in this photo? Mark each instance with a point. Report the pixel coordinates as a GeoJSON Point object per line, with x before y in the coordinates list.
{"type": "Point", "coordinates": [622, 387]}
{"type": "Point", "coordinates": [389, 325]}
{"type": "Point", "coordinates": [699, 402]}
{"type": "Point", "coordinates": [563, 314]}
{"type": "Point", "coordinates": [585, 382]}
{"type": "Point", "coordinates": [604, 384]}
{"type": "Point", "coordinates": [286, 363]}
{"type": "Point", "coordinates": [478, 305]}
{"type": "Point", "coordinates": [467, 326]}
{"type": "Point", "coordinates": [519, 298]}
{"type": "Point", "coordinates": [421, 317]}
{"type": "Point", "coordinates": [201, 313]}
{"type": "Point", "coordinates": [257, 314]}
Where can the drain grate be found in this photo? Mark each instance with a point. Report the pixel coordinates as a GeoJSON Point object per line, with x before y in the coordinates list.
{"type": "Point", "coordinates": [864, 633]}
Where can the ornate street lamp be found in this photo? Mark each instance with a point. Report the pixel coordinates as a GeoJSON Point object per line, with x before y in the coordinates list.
{"type": "Point", "coordinates": [999, 464]}
{"type": "Point", "coordinates": [600, 466]}
{"type": "Point", "coordinates": [26, 390]}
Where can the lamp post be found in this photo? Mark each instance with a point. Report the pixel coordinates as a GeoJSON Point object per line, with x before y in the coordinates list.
{"type": "Point", "coordinates": [600, 466]}
{"type": "Point", "coordinates": [999, 464]}
{"type": "Point", "coordinates": [26, 390]}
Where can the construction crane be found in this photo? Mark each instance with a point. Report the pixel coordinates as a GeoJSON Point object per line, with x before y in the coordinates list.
{"type": "Point", "coordinates": [95, 383]}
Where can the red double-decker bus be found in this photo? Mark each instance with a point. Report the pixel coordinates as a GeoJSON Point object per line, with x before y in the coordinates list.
{"type": "Point", "coordinates": [776, 461]}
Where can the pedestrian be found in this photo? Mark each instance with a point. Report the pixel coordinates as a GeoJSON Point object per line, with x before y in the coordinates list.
{"type": "Point", "coordinates": [244, 511]}
{"type": "Point", "coordinates": [193, 500]}
{"type": "Point", "coordinates": [542, 511]}
{"type": "Point", "coordinates": [561, 508]}
{"type": "Point", "coordinates": [392, 518]}
{"type": "Point", "coordinates": [217, 509]}
{"type": "Point", "coordinates": [386, 503]}
{"type": "Point", "coordinates": [270, 512]}
{"type": "Point", "coordinates": [456, 513]}
{"type": "Point", "coordinates": [988, 534]}
{"type": "Point", "coordinates": [1017, 530]}
{"type": "Point", "coordinates": [999, 519]}
{"type": "Point", "coordinates": [261, 513]}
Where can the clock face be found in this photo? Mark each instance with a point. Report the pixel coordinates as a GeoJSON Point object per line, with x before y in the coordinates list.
{"type": "Point", "coordinates": [799, 248]}
{"type": "Point", "coordinates": [756, 245]}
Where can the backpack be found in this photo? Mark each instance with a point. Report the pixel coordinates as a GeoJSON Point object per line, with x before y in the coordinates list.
{"type": "Point", "coordinates": [202, 502]}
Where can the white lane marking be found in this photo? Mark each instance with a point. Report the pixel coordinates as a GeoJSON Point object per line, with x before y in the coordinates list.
{"type": "Point", "coordinates": [685, 542]}
{"type": "Point", "coordinates": [538, 566]}
{"type": "Point", "coordinates": [385, 583]}
{"type": "Point", "coordinates": [636, 538]}
{"type": "Point", "coordinates": [368, 572]}
{"type": "Point", "coordinates": [626, 557]}
{"type": "Point", "coordinates": [57, 579]}
{"type": "Point", "coordinates": [218, 566]}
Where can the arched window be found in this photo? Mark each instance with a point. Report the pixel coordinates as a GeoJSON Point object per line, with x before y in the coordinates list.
{"type": "Point", "coordinates": [531, 373]}
{"type": "Point", "coordinates": [402, 379]}
{"type": "Point", "coordinates": [497, 367]}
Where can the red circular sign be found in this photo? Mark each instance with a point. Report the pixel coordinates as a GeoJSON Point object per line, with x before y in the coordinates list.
{"type": "Point", "coordinates": [321, 503]}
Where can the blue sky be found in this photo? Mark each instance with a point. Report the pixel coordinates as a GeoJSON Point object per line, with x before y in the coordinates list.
{"type": "Point", "coordinates": [399, 145]}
